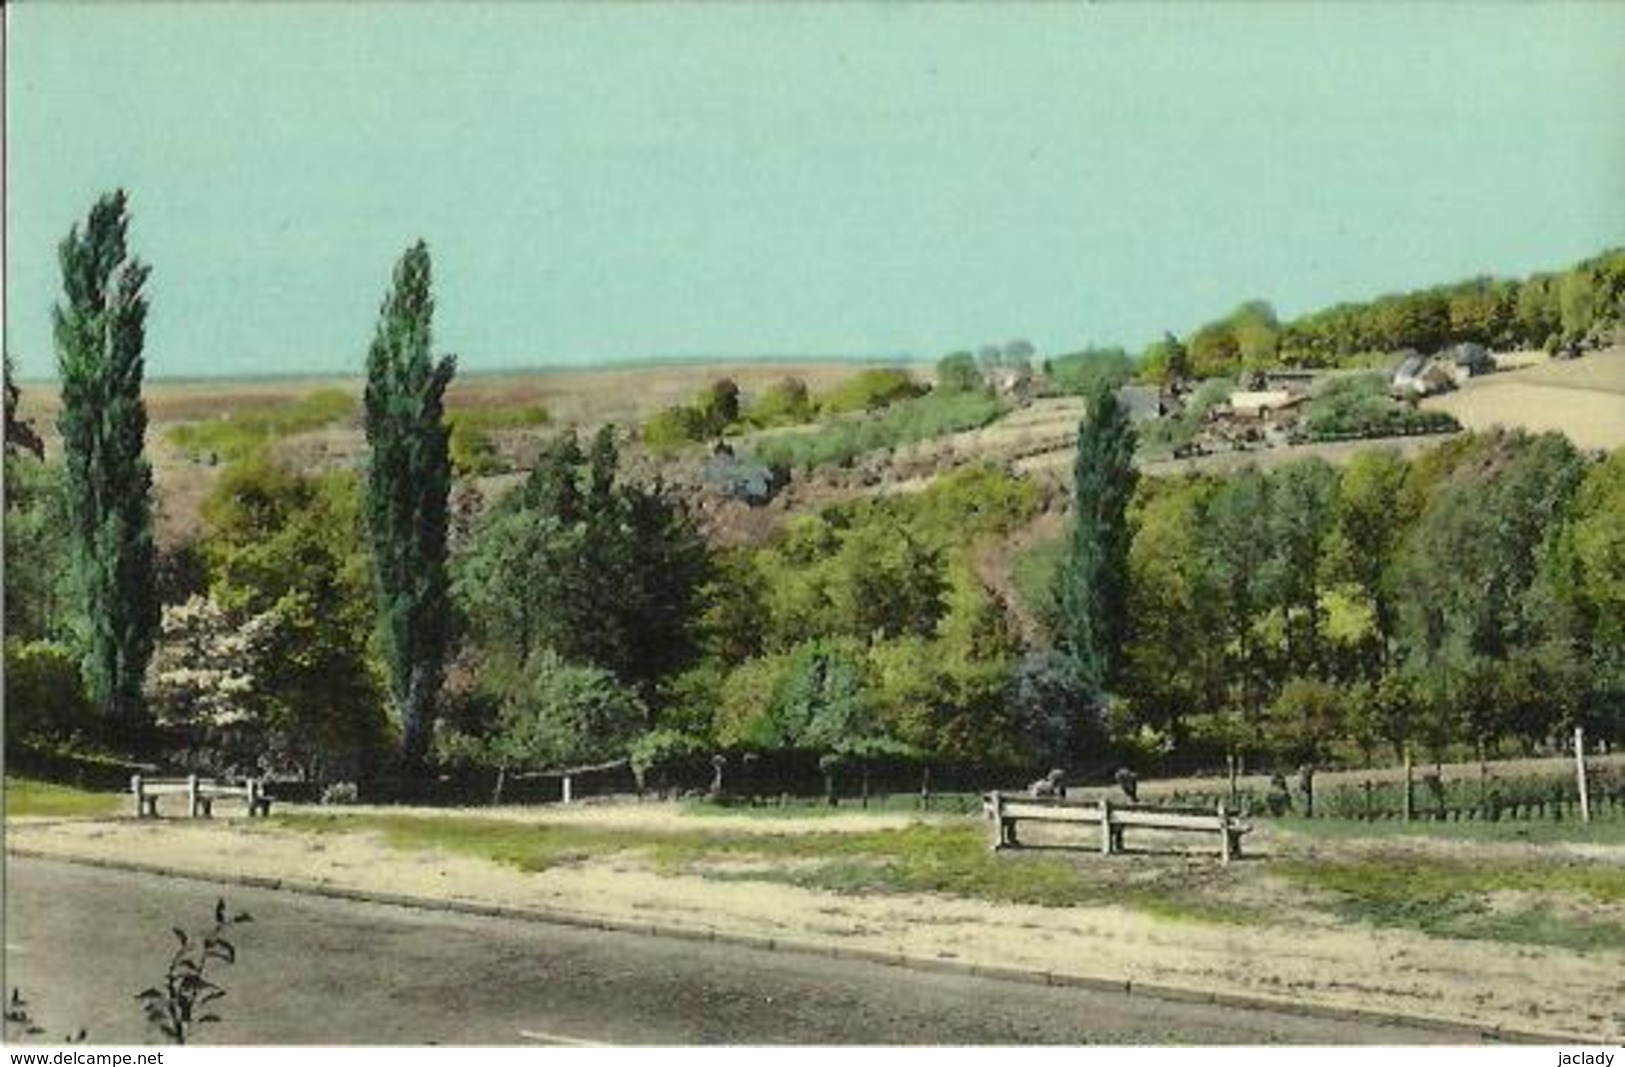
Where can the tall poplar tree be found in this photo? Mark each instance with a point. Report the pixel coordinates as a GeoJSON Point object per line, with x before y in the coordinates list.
{"type": "Point", "coordinates": [408, 483]}
{"type": "Point", "coordinates": [1092, 585]}
{"type": "Point", "coordinates": [100, 329]}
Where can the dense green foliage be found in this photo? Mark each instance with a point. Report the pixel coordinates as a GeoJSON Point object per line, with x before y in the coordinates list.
{"type": "Point", "coordinates": [408, 482]}
{"type": "Point", "coordinates": [602, 572]}
{"type": "Point", "coordinates": [902, 423]}
{"type": "Point", "coordinates": [1083, 373]}
{"type": "Point", "coordinates": [784, 403]}
{"type": "Point", "coordinates": [714, 411]}
{"type": "Point", "coordinates": [39, 595]}
{"type": "Point", "coordinates": [1360, 406]}
{"type": "Point", "coordinates": [958, 372]}
{"type": "Point", "coordinates": [45, 699]}
{"type": "Point", "coordinates": [289, 551]}
{"type": "Point", "coordinates": [472, 443]}
{"type": "Point", "coordinates": [871, 390]}
{"type": "Point", "coordinates": [1091, 587]}
{"type": "Point", "coordinates": [100, 333]}
{"type": "Point", "coordinates": [552, 715]}
{"type": "Point", "coordinates": [1551, 310]}
{"type": "Point", "coordinates": [867, 617]}
{"type": "Point", "coordinates": [242, 433]}
{"type": "Point", "coordinates": [1455, 602]}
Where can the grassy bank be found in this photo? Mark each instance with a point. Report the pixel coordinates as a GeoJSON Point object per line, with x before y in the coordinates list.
{"type": "Point", "coordinates": [949, 858]}
{"type": "Point", "coordinates": [1539, 898]}
{"type": "Point", "coordinates": [25, 797]}
{"type": "Point", "coordinates": [1609, 831]}
{"type": "Point", "coordinates": [1569, 905]}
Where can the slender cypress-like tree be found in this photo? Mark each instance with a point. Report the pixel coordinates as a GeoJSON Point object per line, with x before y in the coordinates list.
{"type": "Point", "coordinates": [100, 331]}
{"type": "Point", "coordinates": [408, 483]}
{"type": "Point", "coordinates": [1092, 585]}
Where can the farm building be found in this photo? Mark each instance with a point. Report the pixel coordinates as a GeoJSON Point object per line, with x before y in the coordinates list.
{"type": "Point", "coordinates": [1426, 376]}
{"type": "Point", "coordinates": [1144, 402]}
{"type": "Point", "coordinates": [1258, 404]}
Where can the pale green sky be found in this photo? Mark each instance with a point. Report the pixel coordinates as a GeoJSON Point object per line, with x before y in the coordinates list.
{"type": "Point", "coordinates": [625, 181]}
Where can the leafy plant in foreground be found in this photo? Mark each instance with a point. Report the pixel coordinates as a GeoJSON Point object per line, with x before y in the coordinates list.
{"type": "Point", "coordinates": [177, 1007]}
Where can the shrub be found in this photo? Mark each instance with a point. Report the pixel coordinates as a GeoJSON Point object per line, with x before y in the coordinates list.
{"type": "Point", "coordinates": [673, 429]}
{"type": "Point", "coordinates": [714, 410]}
{"type": "Point", "coordinates": [1359, 406]}
{"type": "Point", "coordinates": [872, 390]}
{"type": "Point", "coordinates": [473, 453]}
{"type": "Point", "coordinates": [659, 749]}
{"type": "Point", "coordinates": [1054, 714]}
{"type": "Point", "coordinates": [744, 478]}
{"type": "Point", "coordinates": [556, 714]}
{"type": "Point", "coordinates": [958, 373]}
{"type": "Point", "coordinates": [784, 403]}
{"type": "Point", "coordinates": [45, 697]}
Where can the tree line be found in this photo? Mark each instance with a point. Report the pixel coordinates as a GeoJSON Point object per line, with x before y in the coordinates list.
{"type": "Point", "coordinates": [1555, 311]}
{"type": "Point", "coordinates": [1461, 601]}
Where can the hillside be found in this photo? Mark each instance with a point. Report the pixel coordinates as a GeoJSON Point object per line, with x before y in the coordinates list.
{"type": "Point", "coordinates": [1582, 398]}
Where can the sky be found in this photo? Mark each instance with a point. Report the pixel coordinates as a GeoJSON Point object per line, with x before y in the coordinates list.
{"type": "Point", "coordinates": [613, 182]}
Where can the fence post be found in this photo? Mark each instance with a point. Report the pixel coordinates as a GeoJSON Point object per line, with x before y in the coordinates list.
{"type": "Point", "coordinates": [1224, 833]}
{"type": "Point", "coordinates": [998, 819]}
{"type": "Point", "coordinates": [566, 789]}
{"type": "Point", "coordinates": [191, 796]}
{"type": "Point", "coordinates": [1409, 785]}
{"type": "Point", "coordinates": [1231, 760]}
{"type": "Point", "coordinates": [1105, 826]}
{"type": "Point", "coordinates": [135, 790]}
{"type": "Point", "coordinates": [1580, 772]}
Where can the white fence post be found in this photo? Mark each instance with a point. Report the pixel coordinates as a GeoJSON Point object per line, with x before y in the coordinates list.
{"type": "Point", "coordinates": [191, 796]}
{"type": "Point", "coordinates": [566, 789]}
{"type": "Point", "coordinates": [1224, 833]}
{"type": "Point", "coordinates": [135, 790]}
{"type": "Point", "coordinates": [1105, 826]}
{"type": "Point", "coordinates": [1580, 772]}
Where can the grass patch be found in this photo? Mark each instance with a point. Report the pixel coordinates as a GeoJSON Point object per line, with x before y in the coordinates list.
{"type": "Point", "coordinates": [27, 797]}
{"type": "Point", "coordinates": [491, 420]}
{"type": "Point", "coordinates": [1452, 898]}
{"type": "Point", "coordinates": [1609, 831]}
{"type": "Point", "coordinates": [950, 858]}
{"type": "Point", "coordinates": [241, 433]}
{"type": "Point", "coordinates": [1033, 572]}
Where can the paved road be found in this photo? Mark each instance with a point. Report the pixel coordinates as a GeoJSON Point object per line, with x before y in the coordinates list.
{"type": "Point", "coordinates": [81, 941]}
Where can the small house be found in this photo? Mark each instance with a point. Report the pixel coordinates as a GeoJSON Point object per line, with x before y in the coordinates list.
{"type": "Point", "coordinates": [1260, 403]}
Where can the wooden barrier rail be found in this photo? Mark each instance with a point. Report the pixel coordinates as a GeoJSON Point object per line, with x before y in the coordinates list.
{"type": "Point", "coordinates": [1112, 819]}
{"type": "Point", "coordinates": [200, 795]}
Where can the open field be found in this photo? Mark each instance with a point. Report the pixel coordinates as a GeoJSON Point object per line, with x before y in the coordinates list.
{"type": "Point", "coordinates": [1446, 927]}
{"type": "Point", "coordinates": [587, 397]}
{"type": "Point", "coordinates": [1583, 398]}
{"type": "Point", "coordinates": [584, 398]}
